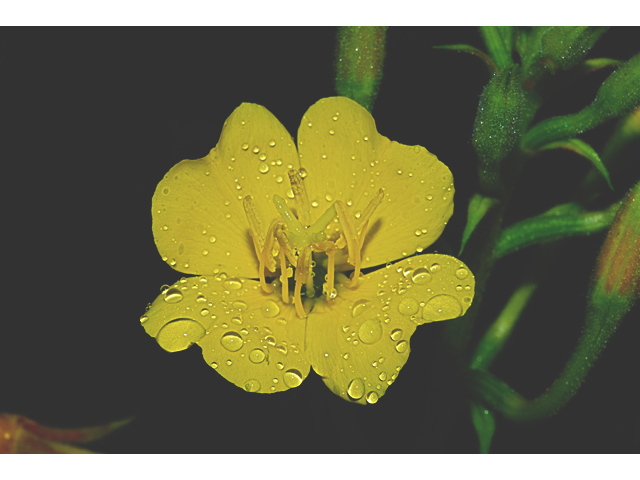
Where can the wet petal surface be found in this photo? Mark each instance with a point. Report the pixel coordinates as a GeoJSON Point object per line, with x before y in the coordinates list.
{"type": "Point", "coordinates": [249, 337]}
{"type": "Point", "coordinates": [359, 342]}
{"type": "Point", "coordinates": [199, 223]}
{"type": "Point", "coordinates": [346, 159]}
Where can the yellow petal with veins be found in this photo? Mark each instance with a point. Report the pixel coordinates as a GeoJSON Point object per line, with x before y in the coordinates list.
{"type": "Point", "coordinates": [199, 223]}
{"type": "Point", "coordinates": [251, 338]}
{"type": "Point", "coordinates": [359, 342]}
{"type": "Point", "coordinates": [346, 159]}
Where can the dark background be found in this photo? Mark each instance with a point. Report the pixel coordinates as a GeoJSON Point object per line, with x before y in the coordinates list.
{"type": "Point", "coordinates": [93, 119]}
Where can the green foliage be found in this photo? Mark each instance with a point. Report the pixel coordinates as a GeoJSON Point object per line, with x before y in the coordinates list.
{"type": "Point", "coordinates": [497, 126]}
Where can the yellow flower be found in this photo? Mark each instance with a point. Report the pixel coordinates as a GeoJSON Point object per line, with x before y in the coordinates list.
{"type": "Point", "coordinates": [273, 233]}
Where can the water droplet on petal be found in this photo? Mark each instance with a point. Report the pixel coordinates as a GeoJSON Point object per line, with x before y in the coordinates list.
{"type": "Point", "coordinates": [441, 307]}
{"type": "Point", "coordinates": [255, 149]}
{"type": "Point", "coordinates": [233, 283]}
{"type": "Point", "coordinates": [239, 305]}
{"type": "Point", "coordinates": [332, 132]}
{"type": "Point", "coordinates": [244, 146]}
{"type": "Point", "coordinates": [396, 335]}
{"type": "Point", "coordinates": [252, 385]}
{"type": "Point", "coordinates": [359, 307]}
{"type": "Point", "coordinates": [172, 295]}
{"type": "Point", "coordinates": [144, 318]}
{"type": "Point", "coordinates": [214, 364]}
{"type": "Point", "coordinates": [408, 306]}
{"type": "Point", "coordinates": [256, 355]}
{"type": "Point", "coordinates": [264, 168]}
{"type": "Point", "coordinates": [383, 376]}
{"type": "Point", "coordinates": [435, 268]}
{"type": "Point", "coordinates": [270, 309]}
{"type": "Point", "coordinates": [212, 239]}
{"type": "Point", "coordinates": [232, 341]}
{"type": "Point", "coordinates": [204, 312]}
{"type": "Point", "coordinates": [180, 334]}
{"type": "Point", "coordinates": [402, 346]}
{"type": "Point", "coordinates": [292, 378]}
{"type": "Point", "coordinates": [370, 331]}
{"type": "Point", "coordinates": [462, 273]}
{"type": "Point", "coordinates": [272, 143]}
{"type": "Point", "coordinates": [421, 276]}
{"type": "Point", "coordinates": [355, 390]}
{"type": "Point", "coordinates": [372, 397]}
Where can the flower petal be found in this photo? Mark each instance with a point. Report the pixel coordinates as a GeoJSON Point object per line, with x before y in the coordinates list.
{"type": "Point", "coordinates": [360, 341]}
{"type": "Point", "coordinates": [347, 159]}
{"type": "Point", "coordinates": [199, 223]}
{"type": "Point", "coordinates": [251, 338]}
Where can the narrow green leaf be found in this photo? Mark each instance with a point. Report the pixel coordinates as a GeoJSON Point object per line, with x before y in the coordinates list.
{"type": "Point", "coordinates": [552, 226]}
{"type": "Point", "coordinates": [485, 424]}
{"type": "Point", "coordinates": [618, 95]}
{"type": "Point", "coordinates": [496, 46]}
{"type": "Point", "coordinates": [496, 129]}
{"type": "Point", "coordinates": [473, 51]}
{"type": "Point", "coordinates": [594, 64]}
{"type": "Point", "coordinates": [564, 47]}
{"type": "Point", "coordinates": [479, 205]}
{"type": "Point", "coordinates": [359, 60]}
{"type": "Point", "coordinates": [584, 149]}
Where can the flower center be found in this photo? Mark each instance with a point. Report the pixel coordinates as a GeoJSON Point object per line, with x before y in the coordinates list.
{"type": "Point", "coordinates": [292, 238]}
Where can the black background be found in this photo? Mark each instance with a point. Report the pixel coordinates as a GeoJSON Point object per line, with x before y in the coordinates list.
{"type": "Point", "coordinates": [93, 119]}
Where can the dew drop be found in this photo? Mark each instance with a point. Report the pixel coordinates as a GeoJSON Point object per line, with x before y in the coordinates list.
{"type": "Point", "coordinates": [429, 197]}
{"type": "Point", "coordinates": [421, 276]}
{"type": "Point", "coordinates": [272, 143]}
{"type": "Point", "coordinates": [214, 364]}
{"type": "Point", "coordinates": [435, 268]}
{"type": "Point", "coordinates": [212, 239]}
{"type": "Point", "coordinates": [255, 149]}
{"type": "Point", "coordinates": [328, 197]}
{"type": "Point", "coordinates": [282, 349]}
{"type": "Point", "coordinates": [279, 179]}
{"type": "Point", "coordinates": [370, 331]}
{"type": "Point", "coordinates": [270, 309]}
{"type": "Point", "coordinates": [264, 168]}
{"type": "Point", "coordinates": [262, 157]}
{"type": "Point", "coordinates": [257, 355]}
{"type": "Point", "coordinates": [402, 346]}
{"type": "Point", "coordinates": [355, 390]}
{"type": "Point", "coordinates": [252, 385]}
{"type": "Point", "coordinates": [441, 307]}
{"type": "Point", "coordinates": [346, 356]}
{"type": "Point", "coordinates": [372, 397]}
{"type": "Point", "coordinates": [244, 146]}
{"type": "Point", "coordinates": [144, 319]}
{"type": "Point", "coordinates": [462, 273]}
{"type": "Point", "coordinates": [233, 283]}
{"type": "Point", "coordinates": [396, 335]}
{"type": "Point", "coordinates": [383, 376]}
{"type": "Point", "coordinates": [359, 307]}
{"type": "Point", "coordinates": [232, 341]}
{"type": "Point", "coordinates": [180, 334]}
{"type": "Point", "coordinates": [172, 295]}
{"type": "Point", "coordinates": [408, 306]}
{"type": "Point", "coordinates": [279, 365]}
{"type": "Point", "coordinates": [332, 132]}
{"type": "Point", "coordinates": [204, 312]}
{"type": "Point", "coordinates": [292, 378]}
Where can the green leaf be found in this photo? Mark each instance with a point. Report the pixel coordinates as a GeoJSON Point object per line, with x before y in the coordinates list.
{"type": "Point", "coordinates": [498, 49]}
{"type": "Point", "coordinates": [594, 64]}
{"type": "Point", "coordinates": [497, 126]}
{"type": "Point", "coordinates": [564, 47]}
{"type": "Point", "coordinates": [479, 205]}
{"type": "Point", "coordinates": [473, 51]}
{"type": "Point", "coordinates": [618, 95]}
{"type": "Point", "coordinates": [553, 225]}
{"type": "Point", "coordinates": [359, 61]}
{"type": "Point", "coordinates": [581, 148]}
{"type": "Point", "coordinates": [485, 424]}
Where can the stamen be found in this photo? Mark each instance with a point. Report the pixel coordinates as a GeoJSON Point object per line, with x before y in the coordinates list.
{"type": "Point", "coordinates": [302, 273]}
{"type": "Point", "coordinates": [351, 237]}
{"type": "Point", "coordinates": [255, 224]}
{"type": "Point", "coordinates": [369, 209]}
{"type": "Point", "coordinates": [284, 279]}
{"type": "Point", "coordinates": [330, 272]}
{"type": "Point", "coordinates": [300, 194]}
